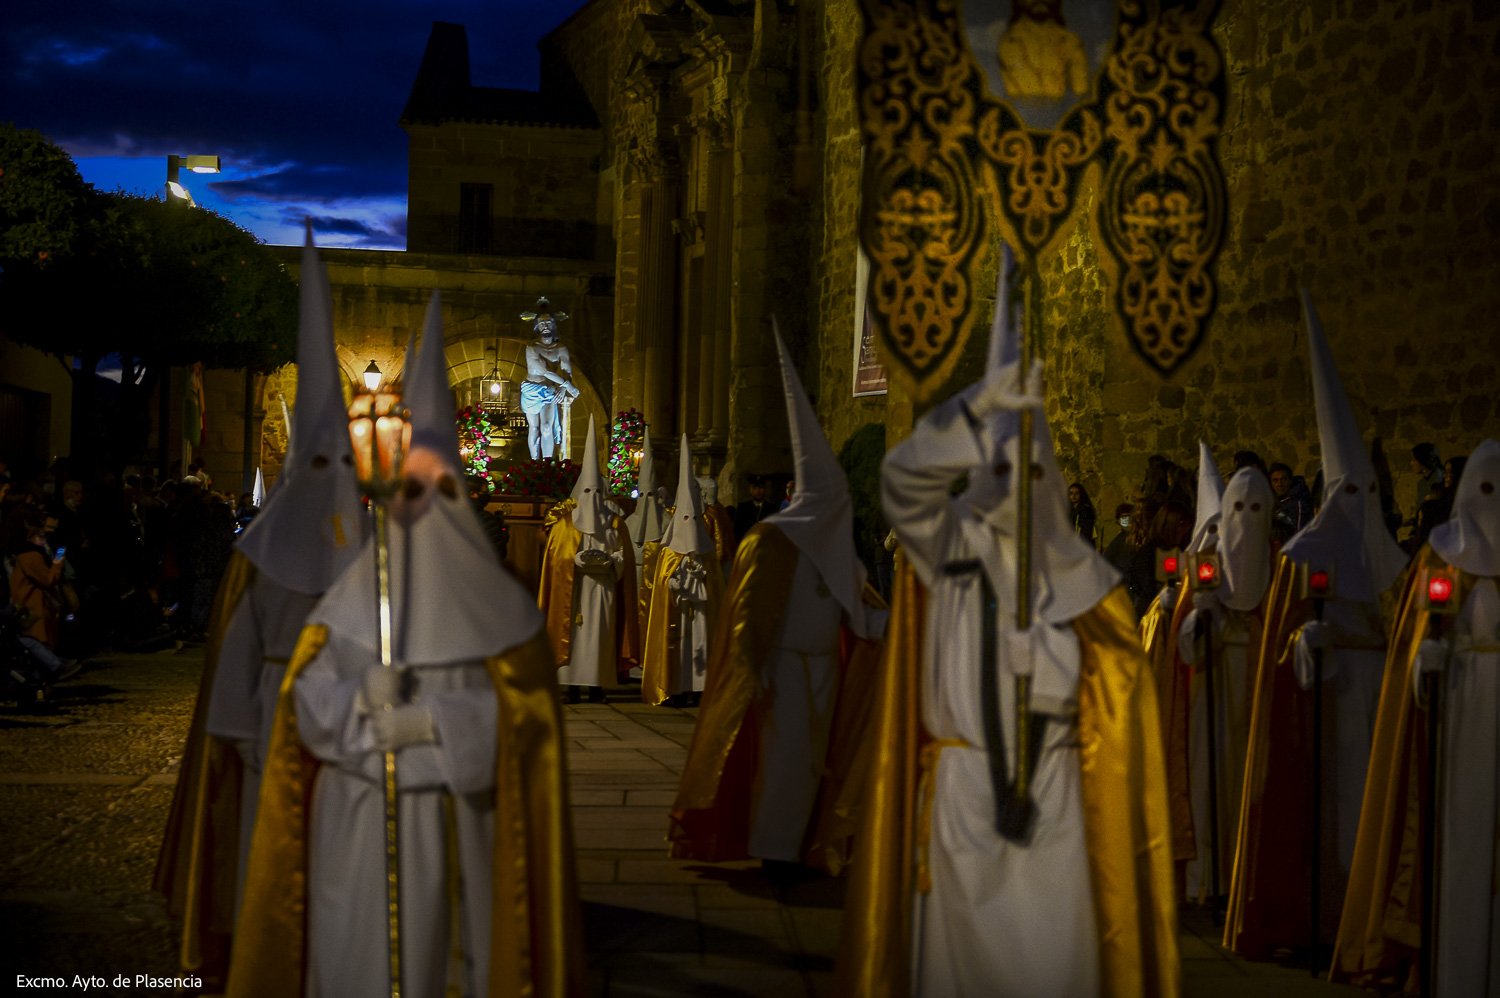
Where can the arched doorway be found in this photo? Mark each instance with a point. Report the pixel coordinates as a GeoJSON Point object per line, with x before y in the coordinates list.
{"type": "Point", "coordinates": [469, 362]}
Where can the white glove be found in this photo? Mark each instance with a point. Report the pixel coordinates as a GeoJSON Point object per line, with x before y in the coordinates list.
{"type": "Point", "coordinates": [1312, 635]}
{"type": "Point", "coordinates": [381, 685]}
{"type": "Point", "coordinates": [401, 726]}
{"type": "Point", "coordinates": [1206, 600]}
{"type": "Point", "coordinates": [1432, 657]}
{"type": "Point", "coordinates": [1168, 598]}
{"type": "Point", "coordinates": [1000, 392]}
{"type": "Point", "coordinates": [1020, 648]}
{"type": "Point", "coordinates": [1187, 638]}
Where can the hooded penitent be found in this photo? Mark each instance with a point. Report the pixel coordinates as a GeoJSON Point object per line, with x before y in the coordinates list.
{"type": "Point", "coordinates": [451, 600]}
{"type": "Point", "coordinates": [1069, 576]}
{"type": "Point", "coordinates": [258, 494]}
{"type": "Point", "coordinates": [1349, 530]}
{"type": "Point", "coordinates": [1245, 539]}
{"type": "Point", "coordinates": [648, 520]}
{"type": "Point", "coordinates": [483, 677]}
{"type": "Point", "coordinates": [686, 532]}
{"type": "Point", "coordinates": [708, 489]}
{"type": "Point", "coordinates": [1470, 539]}
{"type": "Point", "coordinates": [590, 516]}
{"type": "Point", "coordinates": [309, 528]}
{"type": "Point", "coordinates": [820, 519]}
{"type": "Point", "coordinates": [1210, 489]}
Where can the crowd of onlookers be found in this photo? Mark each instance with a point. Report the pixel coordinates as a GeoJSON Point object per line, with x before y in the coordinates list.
{"type": "Point", "coordinates": [97, 560]}
{"type": "Point", "coordinates": [1163, 510]}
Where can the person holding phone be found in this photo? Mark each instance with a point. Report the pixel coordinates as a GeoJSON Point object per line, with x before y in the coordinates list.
{"type": "Point", "coordinates": [35, 581]}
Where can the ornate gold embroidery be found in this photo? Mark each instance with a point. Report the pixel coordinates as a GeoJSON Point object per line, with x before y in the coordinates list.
{"type": "Point", "coordinates": [943, 155]}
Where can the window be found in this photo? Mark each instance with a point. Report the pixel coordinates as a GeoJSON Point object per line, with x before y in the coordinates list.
{"type": "Point", "coordinates": [474, 223]}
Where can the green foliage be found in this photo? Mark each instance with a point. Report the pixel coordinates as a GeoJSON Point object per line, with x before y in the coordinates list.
{"type": "Point", "coordinates": [628, 429]}
{"type": "Point", "coordinates": [41, 200]}
{"type": "Point", "coordinates": [860, 458]}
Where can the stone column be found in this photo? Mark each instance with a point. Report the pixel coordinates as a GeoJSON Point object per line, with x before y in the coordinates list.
{"type": "Point", "coordinates": [656, 312]}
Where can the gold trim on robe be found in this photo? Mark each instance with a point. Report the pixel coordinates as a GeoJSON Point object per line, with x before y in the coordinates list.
{"type": "Point", "coordinates": [1126, 822]}
{"type": "Point", "coordinates": [536, 924]}
{"type": "Point", "coordinates": [650, 551]}
{"type": "Point", "coordinates": [198, 866]}
{"type": "Point", "coordinates": [710, 819]}
{"type": "Point", "coordinates": [660, 656]}
{"type": "Point", "coordinates": [721, 528]}
{"type": "Point", "coordinates": [555, 592]}
{"type": "Point", "coordinates": [1381, 929]}
{"type": "Point", "coordinates": [1158, 632]}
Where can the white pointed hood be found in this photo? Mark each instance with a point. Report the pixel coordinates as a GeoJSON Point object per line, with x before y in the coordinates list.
{"type": "Point", "coordinates": [311, 525]}
{"type": "Point", "coordinates": [820, 518]}
{"type": "Point", "coordinates": [686, 532]}
{"type": "Point", "coordinates": [258, 493]}
{"type": "Point", "coordinates": [647, 521]}
{"type": "Point", "coordinates": [589, 516]}
{"type": "Point", "coordinates": [1210, 489]}
{"type": "Point", "coordinates": [985, 491]}
{"type": "Point", "coordinates": [1245, 539]}
{"type": "Point", "coordinates": [1470, 539]}
{"type": "Point", "coordinates": [450, 599]}
{"type": "Point", "coordinates": [1349, 528]}
{"type": "Point", "coordinates": [1069, 575]}
{"type": "Point", "coordinates": [709, 490]}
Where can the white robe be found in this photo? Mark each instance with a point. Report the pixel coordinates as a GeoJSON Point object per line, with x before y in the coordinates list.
{"type": "Point", "coordinates": [1232, 726]}
{"type": "Point", "coordinates": [690, 603]}
{"type": "Point", "coordinates": [1001, 919]}
{"type": "Point", "coordinates": [801, 683]}
{"type": "Point", "coordinates": [346, 919]}
{"type": "Point", "coordinates": [592, 648]}
{"type": "Point", "coordinates": [258, 643]}
{"type": "Point", "coordinates": [1468, 939]}
{"type": "Point", "coordinates": [1353, 670]}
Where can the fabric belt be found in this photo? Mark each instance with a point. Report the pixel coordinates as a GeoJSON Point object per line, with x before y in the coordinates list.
{"type": "Point", "coordinates": [274, 660]}
{"type": "Point", "coordinates": [1015, 811]}
{"type": "Point", "coordinates": [926, 790]}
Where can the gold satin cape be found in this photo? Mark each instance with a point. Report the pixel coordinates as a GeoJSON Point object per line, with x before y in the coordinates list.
{"type": "Point", "coordinates": [1380, 932]}
{"type": "Point", "coordinates": [536, 947]}
{"type": "Point", "coordinates": [659, 658]}
{"type": "Point", "coordinates": [555, 594]}
{"type": "Point", "coordinates": [710, 818]}
{"type": "Point", "coordinates": [1124, 789]}
{"type": "Point", "coordinates": [198, 865]}
{"type": "Point", "coordinates": [1158, 630]}
{"type": "Point", "coordinates": [721, 528]}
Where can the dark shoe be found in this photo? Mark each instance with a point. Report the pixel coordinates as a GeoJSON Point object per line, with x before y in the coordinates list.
{"type": "Point", "coordinates": [596, 695]}
{"type": "Point", "coordinates": [695, 699]}
{"type": "Point", "coordinates": [571, 695]}
{"type": "Point", "coordinates": [70, 668]}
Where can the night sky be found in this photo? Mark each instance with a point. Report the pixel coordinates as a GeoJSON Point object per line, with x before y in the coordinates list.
{"type": "Point", "coordinates": [299, 97]}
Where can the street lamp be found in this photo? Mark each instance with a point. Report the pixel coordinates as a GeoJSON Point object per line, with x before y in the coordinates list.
{"type": "Point", "coordinates": [372, 377]}
{"type": "Point", "coordinates": [197, 164]}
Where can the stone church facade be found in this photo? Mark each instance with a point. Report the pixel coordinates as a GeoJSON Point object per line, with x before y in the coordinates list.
{"type": "Point", "coordinates": [689, 169]}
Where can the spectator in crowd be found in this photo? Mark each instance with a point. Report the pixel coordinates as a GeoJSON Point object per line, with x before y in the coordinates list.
{"type": "Point", "coordinates": [1428, 464]}
{"type": "Point", "coordinates": [791, 486]}
{"type": "Point", "coordinates": [1140, 572]}
{"type": "Point", "coordinates": [1155, 482]}
{"type": "Point", "coordinates": [1119, 551]}
{"type": "Point", "coordinates": [1294, 505]}
{"type": "Point", "coordinates": [1182, 487]}
{"type": "Point", "coordinates": [36, 578]}
{"type": "Point", "coordinates": [1083, 513]}
{"type": "Point", "coordinates": [1248, 459]}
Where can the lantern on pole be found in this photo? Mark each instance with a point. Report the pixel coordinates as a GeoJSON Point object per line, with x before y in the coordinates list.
{"type": "Point", "coordinates": [380, 432]}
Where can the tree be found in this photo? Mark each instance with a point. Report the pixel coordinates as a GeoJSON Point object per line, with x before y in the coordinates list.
{"type": "Point", "coordinates": [88, 274]}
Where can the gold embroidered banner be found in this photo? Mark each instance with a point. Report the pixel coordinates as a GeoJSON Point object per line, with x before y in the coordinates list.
{"type": "Point", "coordinates": [995, 118]}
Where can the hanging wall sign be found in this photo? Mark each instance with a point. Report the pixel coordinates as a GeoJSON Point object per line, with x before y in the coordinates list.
{"type": "Point", "coordinates": [1005, 119]}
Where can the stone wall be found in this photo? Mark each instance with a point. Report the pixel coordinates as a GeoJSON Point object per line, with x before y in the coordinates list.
{"type": "Point", "coordinates": [1359, 155]}
{"type": "Point", "coordinates": [544, 181]}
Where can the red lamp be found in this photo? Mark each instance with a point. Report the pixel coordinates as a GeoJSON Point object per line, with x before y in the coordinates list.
{"type": "Point", "coordinates": [1169, 564]}
{"type": "Point", "coordinates": [1441, 593]}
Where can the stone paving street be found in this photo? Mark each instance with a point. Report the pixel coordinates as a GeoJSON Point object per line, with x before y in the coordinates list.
{"type": "Point", "coordinates": [85, 787]}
